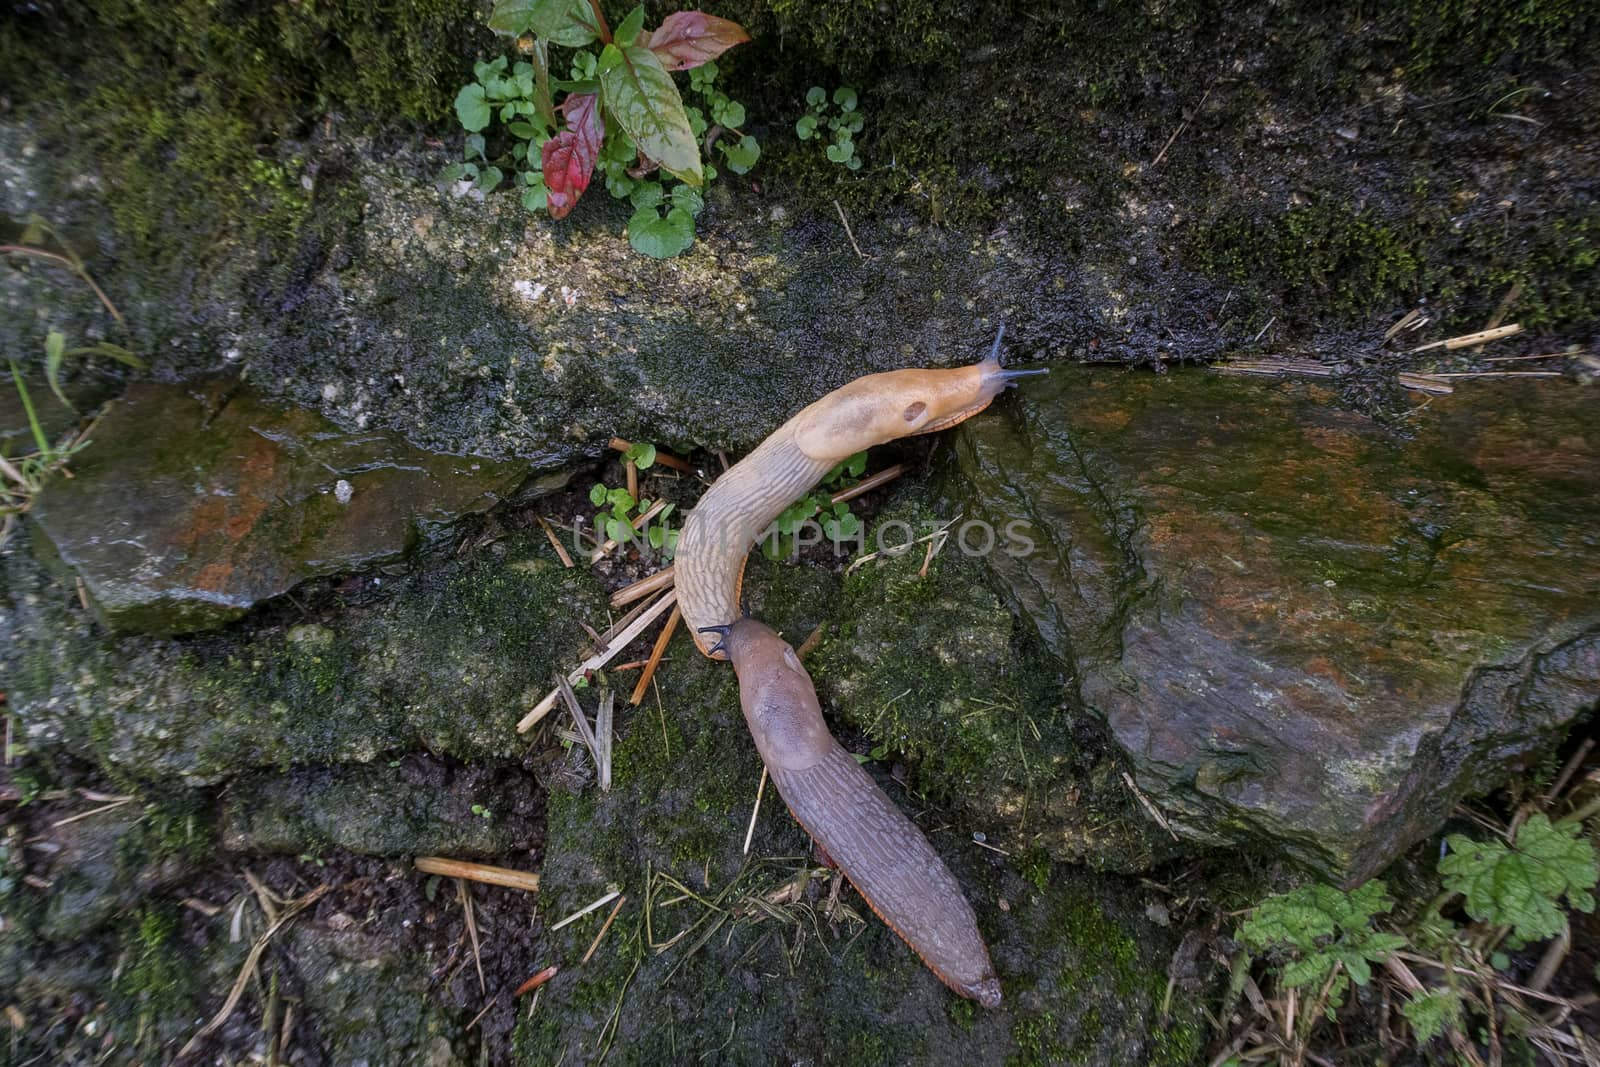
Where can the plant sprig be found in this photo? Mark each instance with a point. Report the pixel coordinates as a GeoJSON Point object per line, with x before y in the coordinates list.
{"type": "Point", "coordinates": [621, 115]}
{"type": "Point", "coordinates": [834, 121]}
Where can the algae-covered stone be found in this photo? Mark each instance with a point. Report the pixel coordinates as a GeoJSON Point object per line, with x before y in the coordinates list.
{"type": "Point", "coordinates": [938, 671]}
{"type": "Point", "coordinates": [753, 964]}
{"type": "Point", "coordinates": [444, 660]}
{"type": "Point", "coordinates": [193, 506]}
{"type": "Point", "coordinates": [369, 1002]}
{"type": "Point", "coordinates": [1303, 628]}
{"type": "Point", "coordinates": [411, 806]}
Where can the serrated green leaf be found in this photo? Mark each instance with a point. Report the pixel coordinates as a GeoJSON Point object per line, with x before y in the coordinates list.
{"type": "Point", "coordinates": [640, 95]}
{"type": "Point", "coordinates": [1432, 1013]}
{"type": "Point", "coordinates": [658, 237]}
{"type": "Point", "coordinates": [1520, 885]}
{"type": "Point", "coordinates": [471, 108]}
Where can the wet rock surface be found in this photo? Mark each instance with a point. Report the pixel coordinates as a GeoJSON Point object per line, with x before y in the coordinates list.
{"type": "Point", "coordinates": [197, 503]}
{"type": "Point", "coordinates": [1301, 627]}
{"type": "Point", "coordinates": [772, 969]}
{"type": "Point", "coordinates": [442, 660]}
{"type": "Point", "coordinates": [405, 807]}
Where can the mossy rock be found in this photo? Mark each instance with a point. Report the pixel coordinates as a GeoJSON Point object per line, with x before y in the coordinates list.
{"type": "Point", "coordinates": [442, 659]}
{"type": "Point", "coordinates": [1303, 629]}
{"type": "Point", "coordinates": [717, 974]}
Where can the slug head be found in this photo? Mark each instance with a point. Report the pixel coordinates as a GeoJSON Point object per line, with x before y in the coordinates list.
{"type": "Point", "coordinates": [750, 642]}
{"type": "Point", "coordinates": [886, 407]}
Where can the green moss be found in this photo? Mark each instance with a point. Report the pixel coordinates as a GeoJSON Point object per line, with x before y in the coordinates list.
{"type": "Point", "coordinates": [159, 983]}
{"type": "Point", "coordinates": [1453, 32]}
{"type": "Point", "coordinates": [192, 99]}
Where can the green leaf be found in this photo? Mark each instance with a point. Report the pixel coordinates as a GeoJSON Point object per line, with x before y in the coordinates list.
{"type": "Point", "coordinates": [646, 194]}
{"type": "Point", "coordinates": [1432, 1013]}
{"type": "Point", "coordinates": [1521, 885]}
{"type": "Point", "coordinates": [657, 536]}
{"type": "Point", "coordinates": [526, 130]}
{"type": "Point", "coordinates": [816, 96]}
{"type": "Point", "coordinates": [640, 95]}
{"type": "Point", "coordinates": [841, 153]}
{"type": "Point", "coordinates": [742, 155]}
{"type": "Point", "coordinates": [617, 530]}
{"type": "Point", "coordinates": [55, 348]}
{"type": "Point", "coordinates": [643, 454]}
{"type": "Point", "coordinates": [856, 465]}
{"type": "Point", "coordinates": [854, 163]}
{"type": "Point", "coordinates": [620, 499]}
{"type": "Point", "coordinates": [730, 114]}
{"type": "Point", "coordinates": [597, 495]}
{"type": "Point", "coordinates": [475, 147]}
{"type": "Point", "coordinates": [564, 22]}
{"type": "Point", "coordinates": [628, 32]}
{"type": "Point", "coordinates": [536, 197]}
{"type": "Point", "coordinates": [689, 198]}
{"type": "Point", "coordinates": [471, 108]}
{"type": "Point", "coordinates": [845, 97]}
{"type": "Point", "coordinates": [489, 179]}
{"type": "Point", "coordinates": [806, 128]}
{"type": "Point", "coordinates": [658, 237]}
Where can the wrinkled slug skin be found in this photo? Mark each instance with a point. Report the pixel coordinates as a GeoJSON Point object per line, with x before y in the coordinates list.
{"type": "Point", "coordinates": [721, 529]}
{"type": "Point", "coordinates": [879, 849]}
{"type": "Point", "coordinates": [882, 852]}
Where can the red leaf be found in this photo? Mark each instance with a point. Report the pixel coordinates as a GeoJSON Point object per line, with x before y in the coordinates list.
{"type": "Point", "coordinates": [689, 38]}
{"type": "Point", "coordinates": [569, 157]}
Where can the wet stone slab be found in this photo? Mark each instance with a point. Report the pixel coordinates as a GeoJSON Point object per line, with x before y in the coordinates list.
{"type": "Point", "coordinates": [1304, 628]}
{"type": "Point", "coordinates": [194, 503]}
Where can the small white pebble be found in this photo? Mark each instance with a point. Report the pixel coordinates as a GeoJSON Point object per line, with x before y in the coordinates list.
{"type": "Point", "coordinates": [343, 491]}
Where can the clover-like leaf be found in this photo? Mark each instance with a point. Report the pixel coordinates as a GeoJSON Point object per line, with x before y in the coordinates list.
{"type": "Point", "coordinates": [806, 127]}
{"type": "Point", "coordinates": [816, 96]}
{"type": "Point", "coordinates": [471, 108]}
{"type": "Point", "coordinates": [686, 39]}
{"type": "Point", "coordinates": [658, 236]}
{"type": "Point", "coordinates": [741, 154]}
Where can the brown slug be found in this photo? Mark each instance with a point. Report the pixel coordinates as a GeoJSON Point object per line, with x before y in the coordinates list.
{"type": "Point", "coordinates": [873, 842]}
{"type": "Point", "coordinates": [877, 846]}
{"type": "Point", "coordinates": [719, 532]}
